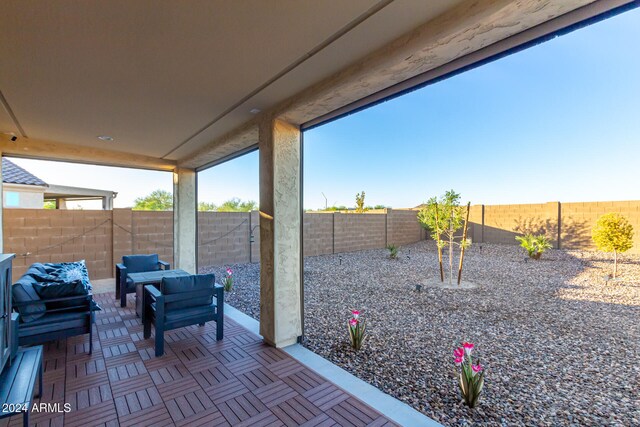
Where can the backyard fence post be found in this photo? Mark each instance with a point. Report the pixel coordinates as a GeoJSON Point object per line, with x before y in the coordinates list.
{"type": "Point", "coordinates": [482, 229]}
{"type": "Point", "coordinates": [386, 227]}
{"type": "Point", "coordinates": [559, 231]}
{"type": "Point", "coordinates": [333, 233]}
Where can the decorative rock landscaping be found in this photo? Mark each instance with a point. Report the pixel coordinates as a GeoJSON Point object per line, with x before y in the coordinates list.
{"type": "Point", "coordinates": [560, 344]}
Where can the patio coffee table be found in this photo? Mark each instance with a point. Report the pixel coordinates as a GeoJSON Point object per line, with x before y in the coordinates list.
{"type": "Point", "coordinates": [140, 280]}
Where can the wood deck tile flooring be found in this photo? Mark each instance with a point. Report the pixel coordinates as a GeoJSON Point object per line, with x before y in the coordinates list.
{"type": "Point", "coordinates": [198, 382]}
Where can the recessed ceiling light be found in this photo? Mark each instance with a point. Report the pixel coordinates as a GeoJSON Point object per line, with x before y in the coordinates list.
{"type": "Point", "coordinates": [255, 111]}
{"type": "Point", "coordinates": [105, 138]}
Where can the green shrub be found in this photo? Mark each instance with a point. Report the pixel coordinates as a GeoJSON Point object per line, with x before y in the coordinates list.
{"type": "Point", "coordinates": [613, 233]}
{"type": "Point", "coordinates": [535, 245]}
{"type": "Point", "coordinates": [393, 251]}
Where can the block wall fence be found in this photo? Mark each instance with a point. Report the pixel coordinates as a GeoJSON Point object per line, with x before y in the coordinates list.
{"type": "Point", "coordinates": [103, 237]}
{"type": "Point", "coordinates": [568, 225]}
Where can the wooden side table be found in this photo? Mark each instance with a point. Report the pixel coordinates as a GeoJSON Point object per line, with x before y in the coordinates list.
{"type": "Point", "coordinates": [17, 382]}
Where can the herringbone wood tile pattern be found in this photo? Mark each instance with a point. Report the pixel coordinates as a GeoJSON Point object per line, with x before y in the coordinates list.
{"type": "Point", "coordinates": [199, 381]}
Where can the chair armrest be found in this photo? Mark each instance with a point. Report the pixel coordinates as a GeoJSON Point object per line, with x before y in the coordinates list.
{"type": "Point", "coordinates": [153, 292]}
{"type": "Point", "coordinates": [164, 265]}
{"type": "Point", "coordinates": [121, 273]}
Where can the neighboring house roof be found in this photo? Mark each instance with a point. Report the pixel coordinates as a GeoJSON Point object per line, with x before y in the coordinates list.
{"type": "Point", "coordinates": [14, 174]}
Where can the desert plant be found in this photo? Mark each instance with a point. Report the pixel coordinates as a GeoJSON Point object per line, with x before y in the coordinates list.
{"type": "Point", "coordinates": [360, 202]}
{"type": "Point", "coordinates": [393, 251]}
{"type": "Point", "coordinates": [443, 218]}
{"type": "Point", "coordinates": [613, 233]}
{"type": "Point", "coordinates": [227, 281]}
{"type": "Point", "coordinates": [470, 375]}
{"type": "Point", "coordinates": [357, 329]}
{"type": "Point", "coordinates": [535, 245]}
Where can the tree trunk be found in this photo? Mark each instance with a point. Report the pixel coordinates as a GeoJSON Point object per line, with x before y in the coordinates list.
{"type": "Point", "coordinates": [464, 239]}
{"type": "Point", "coordinates": [615, 263]}
{"type": "Point", "coordinates": [451, 249]}
{"type": "Point", "coordinates": [439, 246]}
{"type": "Point", "coordinates": [440, 261]}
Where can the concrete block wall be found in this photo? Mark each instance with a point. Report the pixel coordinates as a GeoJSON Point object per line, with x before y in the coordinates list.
{"type": "Point", "coordinates": [318, 233]}
{"type": "Point", "coordinates": [122, 230]}
{"type": "Point", "coordinates": [568, 225]}
{"type": "Point", "coordinates": [403, 227]}
{"type": "Point", "coordinates": [475, 218]}
{"type": "Point", "coordinates": [39, 235]}
{"type": "Point", "coordinates": [503, 222]}
{"type": "Point", "coordinates": [223, 238]}
{"type": "Point", "coordinates": [578, 219]}
{"type": "Point", "coordinates": [356, 232]}
{"type": "Point", "coordinates": [152, 233]}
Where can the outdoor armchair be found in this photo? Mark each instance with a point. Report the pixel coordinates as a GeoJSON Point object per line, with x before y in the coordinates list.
{"type": "Point", "coordinates": [182, 301]}
{"type": "Point", "coordinates": [135, 264]}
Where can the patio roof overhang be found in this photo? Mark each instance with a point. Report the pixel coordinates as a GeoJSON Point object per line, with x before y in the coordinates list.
{"type": "Point", "coordinates": [177, 86]}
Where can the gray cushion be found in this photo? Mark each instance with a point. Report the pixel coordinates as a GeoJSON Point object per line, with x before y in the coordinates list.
{"type": "Point", "coordinates": [141, 263]}
{"type": "Point", "coordinates": [23, 291]}
{"type": "Point", "coordinates": [186, 284]}
{"type": "Point", "coordinates": [52, 290]}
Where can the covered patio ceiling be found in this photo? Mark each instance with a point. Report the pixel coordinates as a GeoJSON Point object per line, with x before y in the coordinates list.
{"type": "Point", "coordinates": [184, 85]}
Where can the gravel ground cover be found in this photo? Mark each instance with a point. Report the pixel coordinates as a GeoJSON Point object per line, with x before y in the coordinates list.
{"type": "Point", "coordinates": [560, 343]}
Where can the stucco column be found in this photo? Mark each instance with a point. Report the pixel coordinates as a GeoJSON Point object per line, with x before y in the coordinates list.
{"type": "Point", "coordinates": [280, 279]}
{"type": "Point", "coordinates": [184, 219]}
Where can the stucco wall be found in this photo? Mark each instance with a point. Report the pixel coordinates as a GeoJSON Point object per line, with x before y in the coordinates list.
{"type": "Point", "coordinates": [28, 196]}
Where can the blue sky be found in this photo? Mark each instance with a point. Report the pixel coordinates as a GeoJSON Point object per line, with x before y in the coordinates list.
{"type": "Point", "coordinates": [559, 121]}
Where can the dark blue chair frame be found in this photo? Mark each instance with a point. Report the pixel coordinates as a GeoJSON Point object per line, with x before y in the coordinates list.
{"type": "Point", "coordinates": [155, 312]}
{"type": "Point", "coordinates": [121, 281]}
{"type": "Point", "coordinates": [55, 331]}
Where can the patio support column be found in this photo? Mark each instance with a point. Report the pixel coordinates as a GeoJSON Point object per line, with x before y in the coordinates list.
{"type": "Point", "coordinates": [280, 240]}
{"type": "Point", "coordinates": [184, 219]}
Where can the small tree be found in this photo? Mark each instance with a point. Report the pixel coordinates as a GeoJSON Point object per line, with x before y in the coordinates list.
{"type": "Point", "coordinates": [207, 207]}
{"type": "Point", "coordinates": [443, 218]}
{"type": "Point", "coordinates": [613, 233]}
{"type": "Point", "coordinates": [158, 200]}
{"type": "Point", "coordinates": [360, 202]}
{"type": "Point", "coordinates": [237, 205]}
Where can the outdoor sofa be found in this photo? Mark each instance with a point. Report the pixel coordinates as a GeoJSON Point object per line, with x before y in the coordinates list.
{"type": "Point", "coordinates": [54, 301]}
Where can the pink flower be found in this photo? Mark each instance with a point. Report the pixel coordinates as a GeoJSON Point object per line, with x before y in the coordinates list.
{"type": "Point", "coordinates": [458, 352]}
{"type": "Point", "coordinates": [355, 313]}
{"type": "Point", "coordinates": [467, 347]}
{"type": "Point", "coordinates": [476, 368]}
{"type": "Point", "coordinates": [229, 271]}
{"type": "Point", "coordinates": [353, 322]}
{"type": "Point", "coordinates": [458, 361]}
